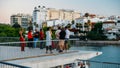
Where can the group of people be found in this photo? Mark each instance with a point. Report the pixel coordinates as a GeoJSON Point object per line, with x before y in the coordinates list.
{"type": "Point", "coordinates": [62, 36]}
{"type": "Point", "coordinates": [31, 37]}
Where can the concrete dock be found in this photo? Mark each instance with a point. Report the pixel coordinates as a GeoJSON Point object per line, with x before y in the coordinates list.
{"type": "Point", "coordinates": [37, 58]}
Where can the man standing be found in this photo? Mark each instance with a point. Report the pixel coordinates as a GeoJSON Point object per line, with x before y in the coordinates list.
{"type": "Point", "coordinates": [62, 38]}
{"type": "Point", "coordinates": [57, 37]}
{"type": "Point", "coordinates": [67, 36]}
{"type": "Point", "coordinates": [36, 36]}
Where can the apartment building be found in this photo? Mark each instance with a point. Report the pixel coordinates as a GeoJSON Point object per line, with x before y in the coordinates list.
{"type": "Point", "coordinates": [42, 14]}
{"type": "Point", "coordinates": [22, 19]}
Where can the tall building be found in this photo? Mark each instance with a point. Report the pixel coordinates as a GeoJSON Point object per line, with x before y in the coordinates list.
{"type": "Point", "coordinates": [22, 19]}
{"type": "Point", "coordinates": [42, 14]}
{"type": "Point", "coordinates": [62, 14]}
{"type": "Point", "coordinates": [39, 16]}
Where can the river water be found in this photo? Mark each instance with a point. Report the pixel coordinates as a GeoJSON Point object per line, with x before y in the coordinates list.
{"type": "Point", "coordinates": [111, 53]}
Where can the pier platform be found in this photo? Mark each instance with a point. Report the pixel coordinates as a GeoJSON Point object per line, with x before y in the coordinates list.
{"type": "Point", "coordinates": [37, 58]}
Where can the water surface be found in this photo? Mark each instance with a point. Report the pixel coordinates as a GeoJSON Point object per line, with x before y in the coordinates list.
{"type": "Point", "coordinates": [111, 53]}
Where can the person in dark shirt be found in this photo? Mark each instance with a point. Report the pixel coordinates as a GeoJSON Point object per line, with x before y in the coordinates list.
{"type": "Point", "coordinates": [36, 36]}
{"type": "Point", "coordinates": [62, 38]}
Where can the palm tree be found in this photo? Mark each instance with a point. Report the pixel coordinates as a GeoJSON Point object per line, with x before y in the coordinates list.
{"type": "Point", "coordinates": [30, 25]}
{"type": "Point", "coordinates": [86, 15]}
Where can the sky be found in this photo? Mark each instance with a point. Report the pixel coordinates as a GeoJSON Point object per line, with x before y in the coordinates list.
{"type": "Point", "coordinates": [99, 7]}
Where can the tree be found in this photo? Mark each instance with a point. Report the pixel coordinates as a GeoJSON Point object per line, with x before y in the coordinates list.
{"type": "Point", "coordinates": [72, 21]}
{"type": "Point", "coordinates": [16, 25]}
{"type": "Point", "coordinates": [30, 26]}
{"type": "Point", "coordinates": [96, 33]}
{"type": "Point", "coordinates": [68, 25]}
{"type": "Point", "coordinates": [8, 31]}
{"type": "Point", "coordinates": [86, 14]}
{"type": "Point", "coordinates": [3, 34]}
{"type": "Point", "coordinates": [98, 27]}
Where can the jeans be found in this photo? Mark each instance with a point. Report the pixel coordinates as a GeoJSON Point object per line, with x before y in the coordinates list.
{"type": "Point", "coordinates": [35, 42]}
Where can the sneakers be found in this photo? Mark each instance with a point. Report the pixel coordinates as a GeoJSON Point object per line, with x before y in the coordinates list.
{"type": "Point", "coordinates": [60, 51]}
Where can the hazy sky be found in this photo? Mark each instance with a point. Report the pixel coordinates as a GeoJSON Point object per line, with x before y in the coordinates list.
{"type": "Point", "coordinates": [100, 7]}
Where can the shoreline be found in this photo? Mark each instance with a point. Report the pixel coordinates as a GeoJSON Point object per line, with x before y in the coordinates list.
{"type": "Point", "coordinates": [98, 42]}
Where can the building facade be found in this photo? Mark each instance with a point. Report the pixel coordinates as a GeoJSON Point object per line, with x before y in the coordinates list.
{"type": "Point", "coordinates": [22, 19]}
{"type": "Point", "coordinates": [42, 14]}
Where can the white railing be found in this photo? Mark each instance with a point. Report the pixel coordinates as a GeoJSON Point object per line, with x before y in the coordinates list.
{"type": "Point", "coordinates": [12, 50]}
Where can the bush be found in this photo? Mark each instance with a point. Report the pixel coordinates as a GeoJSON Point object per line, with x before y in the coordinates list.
{"type": "Point", "coordinates": [8, 31]}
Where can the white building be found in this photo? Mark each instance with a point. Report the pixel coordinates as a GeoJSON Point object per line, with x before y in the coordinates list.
{"type": "Point", "coordinates": [108, 25]}
{"type": "Point", "coordinates": [55, 22]}
{"type": "Point", "coordinates": [84, 20]}
{"type": "Point", "coordinates": [52, 16]}
{"type": "Point", "coordinates": [118, 23]}
{"type": "Point", "coordinates": [39, 16]}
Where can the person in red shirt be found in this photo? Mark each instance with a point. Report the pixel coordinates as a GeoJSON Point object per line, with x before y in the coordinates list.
{"type": "Point", "coordinates": [67, 66]}
{"type": "Point", "coordinates": [41, 33]}
{"type": "Point", "coordinates": [30, 39]}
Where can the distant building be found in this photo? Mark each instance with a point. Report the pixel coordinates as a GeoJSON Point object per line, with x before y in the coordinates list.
{"type": "Point", "coordinates": [42, 14]}
{"type": "Point", "coordinates": [108, 25]}
{"type": "Point", "coordinates": [39, 16]}
{"type": "Point", "coordinates": [22, 19]}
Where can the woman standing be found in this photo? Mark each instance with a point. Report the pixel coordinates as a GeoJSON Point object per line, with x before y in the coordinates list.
{"type": "Point", "coordinates": [22, 40]}
{"type": "Point", "coordinates": [48, 40]}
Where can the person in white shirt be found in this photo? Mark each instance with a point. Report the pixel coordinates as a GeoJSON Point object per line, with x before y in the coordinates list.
{"type": "Point", "coordinates": [48, 40]}
{"type": "Point", "coordinates": [67, 36]}
{"type": "Point", "coordinates": [57, 37]}
{"type": "Point", "coordinates": [57, 33]}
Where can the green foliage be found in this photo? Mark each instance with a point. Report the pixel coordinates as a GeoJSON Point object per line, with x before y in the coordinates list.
{"type": "Point", "coordinates": [97, 27]}
{"type": "Point", "coordinates": [86, 14]}
{"type": "Point", "coordinates": [16, 25]}
{"type": "Point", "coordinates": [96, 36]}
{"type": "Point", "coordinates": [72, 21]}
{"type": "Point", "coordinates": [96, 33]}
{"type": "Point", "coordinates": [68, 25]}
{"type": "Point", "coordinates": [3, 34]}
{"type": "Point", "coordinates": [8, 31]}
{"type": "Point", "coordinates": [53, 34]}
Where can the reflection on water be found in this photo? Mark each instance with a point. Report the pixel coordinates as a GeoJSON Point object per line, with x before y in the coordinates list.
{"type": "Point", "coordinates": [111, 53]}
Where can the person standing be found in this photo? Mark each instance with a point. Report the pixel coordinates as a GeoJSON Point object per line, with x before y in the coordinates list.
{"type": "Point", "coordinates": [22, 40]}
{"type": "Point", "coordinates": [67, 36]}
{"type": "Point", "coordinates": [36, 36]}
{"type": "Point", "coordinates": [62, 38]}
{"type": "Point", "coordinates": [57, 33]}
{"type": "Point", "coordinates": [41, 38]}
{"type": "Point", "coordinates": [57, 37]}
{"type": "Point", "coordinates": [48, 40]}
{"type": "Point", "coordinates": [30, 38]}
